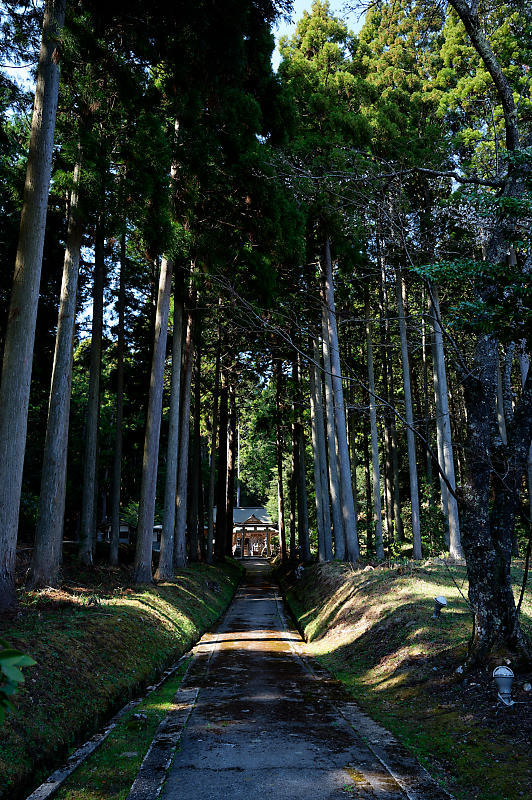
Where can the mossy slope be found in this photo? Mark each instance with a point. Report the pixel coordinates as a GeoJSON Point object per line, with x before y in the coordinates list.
{"type": "Point", "coordinates": [97, 641]}
{"type": "Point", "coordinates": [373, 630]}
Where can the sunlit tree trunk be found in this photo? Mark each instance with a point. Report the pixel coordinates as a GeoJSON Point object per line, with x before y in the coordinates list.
{"type": "Point", "coordinates": [375, 469]}
{"type": "Point", "coordinates": [20, 330]}
{"type": "Point", "coordinates": [410, 436]}
{"type": "Point", "coordinates": [321, 489]}
{"type": "Point", "coordinates": [165, 569]}
{"type": "Point", "coordinates": [332, 449]}
{"type": "Point", "coordinates": [346, 489]}
{"type": "Point", "coordinates": [180, 531]}
{"type": "Point", "coordinates": [142, 572]}
{"type": "Point", "coordinates": [119, 413]}
{"type": "Point", "coordinates": [90, 460]}
{"type": "Point", "coordinates": [46, 557]}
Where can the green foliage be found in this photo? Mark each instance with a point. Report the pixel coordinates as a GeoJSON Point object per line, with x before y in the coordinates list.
{"type": "Point", "coordinates": [11, 675]}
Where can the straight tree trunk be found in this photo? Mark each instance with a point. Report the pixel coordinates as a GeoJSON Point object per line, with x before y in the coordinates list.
{"type": "Point", "coordinates": [142, 571]}
{"type": "Point", "coordinates": [367, 475]}
{"type": "Point", "coordinates": [302, 501]}
{"type": "Point", "coordinates": [195, 488]}
{"type": "Point", "coordinates": [410, 436]}
{"type": "Point", "coordinates": [346, 489]}
{"type": "Point", "coordinates": [332, 449]}
{"type": "Point", "coordinates": [221, 492]}
{"type": "Point", "coordinates": [442, 404]}
{"type": "Point", "coordinates": [46, 557]}
{"type": "Point", "coordinates": [375, 470]}
{"type": "Point", "coordinates": [180, 532]}
{"type": "Point", "coordinates": [119, 413]}
{"type": "Point", "coordinates": [20, 331]}
{"type": "Point", "coordinates": [323, 521]}
{"type": "Point", "coordinates": [212, 466]}
{"type": "Point", "coordinates": [279, 455]}
{"type": "Point", "coordinates": [231, 464]}
{"type": "Point", "coordinates": [426, 404]}
{"type": "Point", "coordinates": [90, 461]}
{"type": "Point", "coordinates": [165, 569]}
{"type": "Point", "coordinates": [292, 486]}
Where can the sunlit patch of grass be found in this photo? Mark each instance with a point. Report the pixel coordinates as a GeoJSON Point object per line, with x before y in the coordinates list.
{"type": "Point", "coordinates": [374, 631]}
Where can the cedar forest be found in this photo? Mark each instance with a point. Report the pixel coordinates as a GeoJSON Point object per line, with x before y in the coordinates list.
{"type": "Point", "coordinates": [313, 282]}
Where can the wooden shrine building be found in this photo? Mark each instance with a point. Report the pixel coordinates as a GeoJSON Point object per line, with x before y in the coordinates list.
{"type": "Point", "coordinates": [253, 532]}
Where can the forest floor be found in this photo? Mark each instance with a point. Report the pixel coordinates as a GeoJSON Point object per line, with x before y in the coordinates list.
{"type": "Point", "coordinates": [372, 629]}
{"type": "Point", "coordinates": [98, 640]}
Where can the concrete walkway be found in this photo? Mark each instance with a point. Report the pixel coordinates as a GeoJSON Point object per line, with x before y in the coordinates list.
{"type": "Point", "coordinates": [256, 720]}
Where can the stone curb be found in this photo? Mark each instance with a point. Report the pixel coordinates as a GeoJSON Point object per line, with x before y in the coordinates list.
{"type": "Point", "coordinates": [59, 776]}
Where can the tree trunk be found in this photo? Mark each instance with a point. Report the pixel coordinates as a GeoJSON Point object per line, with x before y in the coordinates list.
{"type": "Point", "coordinates": [442, 405]}
{"type": "Point", "coordinates": [332, 449]}
{"type": "Point", "coordinates": [221, 489]}
{"type": "Point", "coordinates": [46, 557]}
{"type": "Point", "coordinates": [212, 466]}
{"type": "Point", "coordinates": [410, 436]}
{"type": "Point", "coordinates": [119, 413]}
{"type": "Point", "coordinates": [195, 465]}
{"type": "Point", "coordinates": [486, 540]}
{"type": "Point", "coordinates": [377, 511]}
{"type": "Point", "coordinates": [165, 569]}
{"type": "Point", "coordinates": [292, 486]}
{"type": "Point", "coordinates": [180, 532]}
{"type": "Point", "coordinates": [20, 331]}
{"type": "Point", "coordinates": [323, 521]}
{"type": "Point", "coordinates": [302, 502]}
{"type": "Point", "coordinates": [346, 489]}
{"type": "Point", "coordinates": [142, 571]}
{"type": "Point", "coordinates": [367, 475]}
{"type": "Point", "coordinates": [231, 462]}
{"type": "Point", "coordinates": [279, 455]}
{"type": "Point", "coordinates": [90, 461]}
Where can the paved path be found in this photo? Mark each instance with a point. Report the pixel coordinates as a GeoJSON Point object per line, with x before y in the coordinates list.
{"type": "Point", "coordinates": [256, 721]}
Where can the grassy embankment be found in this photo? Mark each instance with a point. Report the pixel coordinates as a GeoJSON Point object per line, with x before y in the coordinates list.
{"type": "Point", "coordinates": [374, 632]}
{"type": "Point", "coordinates": [97, 641]}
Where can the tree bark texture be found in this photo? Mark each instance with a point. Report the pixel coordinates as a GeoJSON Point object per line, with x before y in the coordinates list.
{"type": "Point", "coordinates": [221, 489]}
{"type": "Point", "coordinates": [410, 436]}
{"type": "Point", "coordinates": [231, 463]}
{"type": "Point", "coordinates": [302, 500]}
{"type": "Point", "coordinates": [20, 331]}
{"type": "Point", "coordinates": [119, 412]}
{"type": "Point", "coordinates": [90, 459]}
{"type": "Point", "coordinates": [212, 466]}
{"type": "Point", "coordinates": [142, 572]}
{"type": "Point", "coordinates": [195, 455]}
{"type": "Point", "coordinates": [279, 454]}
{"type": "Point", "coordinates": [375, 469]}
{"type": "Point", "coordinates": [346, 489]}
{"type": "Point", "coordinates": [338, 531]}
{"type": "Point", "coordinates": [180, 531]}
{"type": "Point", "coordinates": [442, 409]}
{"type": "Point", "coordinates": [46, 556]}
{"type": "Point", "coordinates": [165, 569]}
{"type": "Point", "coordinates": [321, 491]}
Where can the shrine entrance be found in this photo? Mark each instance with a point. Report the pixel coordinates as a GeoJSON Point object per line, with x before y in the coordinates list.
{"type": "Point", "coordinates": [254, 533]}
